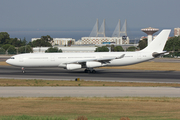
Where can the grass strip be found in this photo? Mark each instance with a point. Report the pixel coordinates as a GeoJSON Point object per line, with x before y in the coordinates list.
{"type": "Point", "coordinates": [156, 66]}
{"type": "Point", "coordinates": [135, 108]}
{"type": "Point", "coordinates": [35, 82]}
{"type": "Point", "coordinates": [4, 64]}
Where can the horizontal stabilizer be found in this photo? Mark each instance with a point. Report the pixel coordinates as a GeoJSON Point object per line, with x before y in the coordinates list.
{"type": "Point", "coordinates": [155, 54]}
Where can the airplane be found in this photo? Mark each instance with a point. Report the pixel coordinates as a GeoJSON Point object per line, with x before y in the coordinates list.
{"type": "Point", "coordinates": [89, 61]}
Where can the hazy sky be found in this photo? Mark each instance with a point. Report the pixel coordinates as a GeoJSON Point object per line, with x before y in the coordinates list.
{"type": "Point", "coordinates": [82, 14]}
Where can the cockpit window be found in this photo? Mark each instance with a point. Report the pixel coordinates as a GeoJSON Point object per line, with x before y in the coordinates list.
{"type": "Point", "coordinates": [12, 58]}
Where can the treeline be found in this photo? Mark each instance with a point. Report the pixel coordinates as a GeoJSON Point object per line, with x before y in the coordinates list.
{"type": "Point", "coordinates": [172, 46]}
{"type": "Point", "coordinates": [113, 48]}
{"type": "Point", "coordinates": [14, 45]}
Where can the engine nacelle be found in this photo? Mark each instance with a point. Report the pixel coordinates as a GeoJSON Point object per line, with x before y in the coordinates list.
{"type": "Point", "coordinates": [73, 66]}
{"type": "Point", "coordinates": [91, 64]}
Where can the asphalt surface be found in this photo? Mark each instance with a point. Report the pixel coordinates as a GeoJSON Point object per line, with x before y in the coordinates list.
{"type": "Point", "coordinates": [89, 92]}
{"type": "Point", "coordinates": [101, 74]}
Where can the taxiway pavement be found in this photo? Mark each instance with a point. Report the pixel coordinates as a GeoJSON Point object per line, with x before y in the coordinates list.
{"type": "Point", "coordinates": [89, 92]}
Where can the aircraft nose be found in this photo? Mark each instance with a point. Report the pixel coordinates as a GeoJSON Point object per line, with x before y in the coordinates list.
{"type": "Point", "coordinates": [8, 61]}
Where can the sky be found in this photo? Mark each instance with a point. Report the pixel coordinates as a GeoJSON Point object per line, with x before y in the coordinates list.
{"type": "Point", "coordinates": [81, 15]}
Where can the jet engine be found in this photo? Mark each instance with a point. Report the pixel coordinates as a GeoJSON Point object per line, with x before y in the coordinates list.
{"type": "Point", "coordinates": [73, 66]}
{"type": "Point", "coordinates": [91, 64]}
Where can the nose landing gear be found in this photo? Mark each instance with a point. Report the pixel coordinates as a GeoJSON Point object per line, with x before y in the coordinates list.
{"type": "Point", "coordinates": [23, 70]}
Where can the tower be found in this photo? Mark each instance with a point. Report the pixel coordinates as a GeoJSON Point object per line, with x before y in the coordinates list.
{"type": "Point", "coordinates": [118, 32]}
{"type": "Point", "coordinates": [150, 31]}
{"type": "Point", "coordinates": [96, 31]}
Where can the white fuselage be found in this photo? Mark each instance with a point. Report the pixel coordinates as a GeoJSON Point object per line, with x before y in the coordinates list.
{"type": "Point", "coordinates": [61, 59]}
{"type": "Point", "coordinates": [73, 61]}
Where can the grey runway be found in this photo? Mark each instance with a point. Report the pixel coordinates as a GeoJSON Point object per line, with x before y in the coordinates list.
{"type": "Point", "coordinates": [119, 75]}
{"type": "Point", "coordinates": [89, 92]}
{"type": "Point", "coordinates": [102, 74]}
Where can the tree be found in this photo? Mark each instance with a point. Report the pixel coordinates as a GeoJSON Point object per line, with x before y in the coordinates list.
{"type": "Point", "coordinates": [25, 49]}
{"type": "Point", "coordinates": [47, 38]}
{"type": "Point", "coordinates": [52, 50]}
{"type": "Point", "coordinates": [4, 36]}
{"type": "Point", "coordinates": [2, 51]}
{"type": "Point", "coordinates": [39, 43]}
{"type": "Point", "coordinates": [11, 50]}
{"type": "Point", "coordinates": [132, 48]}
{"type": "Point", "coordinates": [44, 41]}
{"type": "Point", "coordinates": [173, 44]}
{"type": "Point", "coordinates": [142, 44]}
{"type": "Point", "coordinates": [6, 46]}
{"type": "Point", "coordinates": [15, 42]}
{"type": "Point", "coordinates": [102, 49]}
{"type": "Point", "coordinates": [118, 49]}
{"type": "Point", "coordinates": [24, 42]}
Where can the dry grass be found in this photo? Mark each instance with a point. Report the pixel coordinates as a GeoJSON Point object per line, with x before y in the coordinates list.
{"type": "Point", "coordinates": [109, 108]}
{"type": "Point", "coordinates": [15, 82]}
{"type": "Point", "coordinates": [4, 64]}
{"type": "Point", "coordinates": [151, 66]}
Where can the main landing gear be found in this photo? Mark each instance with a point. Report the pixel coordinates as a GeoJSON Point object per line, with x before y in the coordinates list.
{"type": "Point", "coordinates": [89, 70]}
{"type": "Point", "coordinates": [23, 70]}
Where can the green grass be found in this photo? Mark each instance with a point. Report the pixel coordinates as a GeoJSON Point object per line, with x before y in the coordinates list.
{"type": "Point", "coordinates": [26, 117]}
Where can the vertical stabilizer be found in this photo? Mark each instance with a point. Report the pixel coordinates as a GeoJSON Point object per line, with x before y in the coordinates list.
{"type": "Point", "coordinates": [157, 45]}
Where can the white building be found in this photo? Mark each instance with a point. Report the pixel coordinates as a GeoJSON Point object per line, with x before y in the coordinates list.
{"type": "Point", "coordinates": [176, 32]}
{"type": "Point", "coordinates": [62, 41]}
{"type": "Point", "coordinates": [81, 49]}
{"type": "Point", "coordinates": [33, 39]}
{"type": "Point", "coordinates": [58, 41]}
{"type": "Point", "coordinates": [101, 40]}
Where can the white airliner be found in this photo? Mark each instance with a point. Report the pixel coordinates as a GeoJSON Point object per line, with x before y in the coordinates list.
{"type": "Point", "coordinates": [72, 61]}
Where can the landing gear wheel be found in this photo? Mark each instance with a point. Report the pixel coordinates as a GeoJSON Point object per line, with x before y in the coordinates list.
{"type": "Point", "coordinates": [93, 71]}
{"type": "Point", "coordinates": [86, 71]}
{"type": "Point", "coordinates": [89, 70]}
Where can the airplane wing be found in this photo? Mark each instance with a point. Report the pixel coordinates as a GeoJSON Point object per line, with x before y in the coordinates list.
{"type": "Point", "coordinates": [102, 60]}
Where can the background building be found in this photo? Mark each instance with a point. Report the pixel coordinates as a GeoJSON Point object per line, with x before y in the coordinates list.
{"type": "Point", "coordinates": [97, 36]}
{"type": "Point", "coordinates": [59, 41]}
{"type": "Point", "coordinates": [176, 31]}
{"type": "Point", "coordinates": [72, 49]}
{"type": "Point", "coordinates": [101, 40]}
{"type": "Point", "coordinates": [62, 41]}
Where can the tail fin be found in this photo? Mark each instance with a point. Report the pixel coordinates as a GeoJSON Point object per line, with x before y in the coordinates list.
{"type": "Point", "coordinates": [157, 45]}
